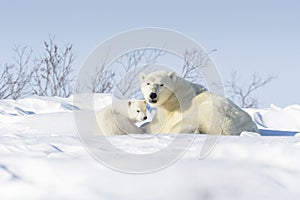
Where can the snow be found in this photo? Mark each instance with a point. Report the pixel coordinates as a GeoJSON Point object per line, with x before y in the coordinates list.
{"type": "Point", "coordinates": [42, 157]}
{"type": "Point", "coordinates": [277, 121]}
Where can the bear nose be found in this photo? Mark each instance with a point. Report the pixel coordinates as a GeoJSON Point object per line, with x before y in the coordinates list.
{"type": "Point", "coordinates": [153, 95]}
{"type": "Point", "coordinates": [145, 118]}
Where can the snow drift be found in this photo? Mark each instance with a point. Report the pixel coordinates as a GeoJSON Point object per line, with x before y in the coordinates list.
{"type": "Point", "coordinates": [42, 157]}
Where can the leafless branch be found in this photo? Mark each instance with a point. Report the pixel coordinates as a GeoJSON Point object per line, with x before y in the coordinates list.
{"type": "Point", "coordinates": [53, 71]}
{"type": "Point", "coordinates": [130, 67]}
{"type": "Point", "coordinates": [194, 60]}
{"type": "Point", "coordinates": [244, 95]}
{"type": "Point", "coordinates": [15, 76]}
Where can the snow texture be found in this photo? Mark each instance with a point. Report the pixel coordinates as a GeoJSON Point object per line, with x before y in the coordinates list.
{"type": "Point", "coordinates": [42, 157]}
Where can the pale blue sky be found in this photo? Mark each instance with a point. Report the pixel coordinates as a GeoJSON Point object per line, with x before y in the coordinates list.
{"type": "Point", "coordinates": [260, 36]}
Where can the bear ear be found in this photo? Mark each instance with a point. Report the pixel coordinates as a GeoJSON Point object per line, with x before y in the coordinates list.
{"type": "Point", "coordinates": [172, 76]}
{"type": "Point", "coordinates": [142, 77]}
{"type": "Point", "coordinates": [129, 103]}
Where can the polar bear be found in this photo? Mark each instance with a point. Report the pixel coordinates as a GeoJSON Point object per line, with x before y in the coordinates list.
{"type": "Point", "coordinates": [120, 117]}
{"type": "Point", "coordinates": [184, 107]}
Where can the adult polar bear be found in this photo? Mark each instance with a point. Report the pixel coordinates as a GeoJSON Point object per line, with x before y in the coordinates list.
{"type": "Point", "coordinates": [184, 107]}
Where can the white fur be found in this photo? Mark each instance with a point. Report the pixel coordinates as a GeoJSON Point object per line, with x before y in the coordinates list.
{"type": "Point", "coordinates": [120, 116]}
{"type": "Point", "coordinates": [183, 107]}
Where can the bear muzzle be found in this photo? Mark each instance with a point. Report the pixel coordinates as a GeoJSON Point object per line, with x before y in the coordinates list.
{"type": "Point", "coordinates": [152, 97]}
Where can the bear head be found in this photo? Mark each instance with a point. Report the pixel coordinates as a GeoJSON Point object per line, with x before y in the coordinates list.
{"type": "Point", "coordinates": [137, 110]}
{"type": "Point", "coordinates": [157, 87]}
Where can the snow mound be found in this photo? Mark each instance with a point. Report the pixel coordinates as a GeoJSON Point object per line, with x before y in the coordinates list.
{"type": "Point", "coordinates": [276, 121]}
{"type": "Point", "coordinates": [42, 105]}
{"type": "Point", "coordinates": [287, 118]}
{"type": "Point", "coordinates": [42, 157]}
{"type": "Point", "coordinates": [35, 105]}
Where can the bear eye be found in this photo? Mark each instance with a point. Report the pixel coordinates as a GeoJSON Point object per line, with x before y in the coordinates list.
{"type": "Point", "coordinates": [138, 111]}
{"type": "Point", "coordinates": [161, 85]}
{"type": "Point", "coordinates": [148, 83]}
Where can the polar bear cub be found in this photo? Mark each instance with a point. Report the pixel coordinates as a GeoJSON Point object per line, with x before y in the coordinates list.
{"type": "Point", "coordinates": [120, 117]}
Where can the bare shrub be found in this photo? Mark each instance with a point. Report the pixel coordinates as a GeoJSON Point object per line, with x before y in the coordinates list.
{"type": "Point", "coordinates": [130, 64]}
{"type": "Point", "coordinates": [244, 95]}
{"type": "Point", "coordinates": [15, 77]}
{"type": "Point", "coordinates": [53, 71]}
{"type": "Point", "coordinates": [194, 61]}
